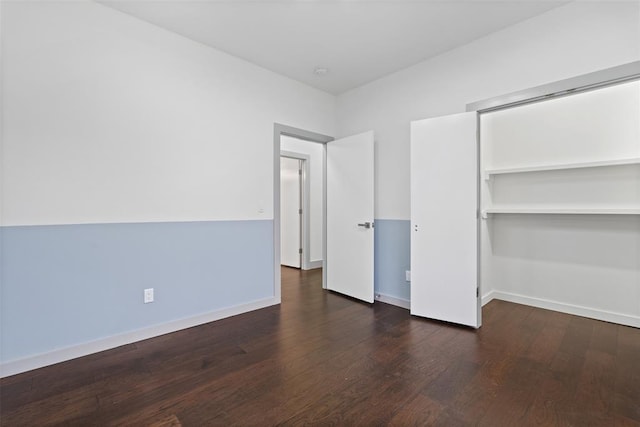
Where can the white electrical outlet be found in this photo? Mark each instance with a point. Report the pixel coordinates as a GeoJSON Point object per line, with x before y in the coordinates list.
{"type": "Point", "coordinates": [148, 295]}
{"type": "Point", "coordinates": [407, 275]}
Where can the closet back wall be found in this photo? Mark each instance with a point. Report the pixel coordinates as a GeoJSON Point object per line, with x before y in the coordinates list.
{"type": "Point", "coordinates": [132, 158]}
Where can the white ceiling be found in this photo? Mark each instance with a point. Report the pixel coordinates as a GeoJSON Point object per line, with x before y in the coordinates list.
{"type": "Point", "coordinates": [358, 41]}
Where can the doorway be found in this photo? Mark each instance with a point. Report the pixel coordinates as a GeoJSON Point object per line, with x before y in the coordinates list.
{"type": "Point", "coordinates": [347, 242]}
{"type": "Point", "coordinates": [291, 212]}
{"type": "Point", "coordinates": [308, 148]}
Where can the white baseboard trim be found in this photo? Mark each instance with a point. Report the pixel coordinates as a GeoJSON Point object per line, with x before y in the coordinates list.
{"type": "Point", "coordinates": [487, 298]}
{"type": "Point", "coordinates": [399, 302]}
{"type": "Point", "coordinates": [312, 265]}
{"type": "Point", "coordinates": [61, 355]}
{"type": "Point", "coordinates": [593, 313]}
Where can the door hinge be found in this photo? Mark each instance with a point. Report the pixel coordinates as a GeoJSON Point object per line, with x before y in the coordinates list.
{"type": "Point", "coordinates": [300, 211]}
{"type": "Point", "coordinates": [299, 171]}
{"type": "Point", "coordinates": [300, 250]}
{"type": "Point", "coordinates": [477, 292]}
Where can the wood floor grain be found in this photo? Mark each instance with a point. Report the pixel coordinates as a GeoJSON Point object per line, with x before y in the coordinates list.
{"type": "Point", "coordinates": [324, 359]}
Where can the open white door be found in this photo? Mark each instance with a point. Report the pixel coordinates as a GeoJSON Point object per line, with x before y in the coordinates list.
{"type": "Point", "coordinates": [290, 215]}
{"type": "Point", "coordinates": [350, 192]}
{"type": "Point", "coordinates": [444, 203]}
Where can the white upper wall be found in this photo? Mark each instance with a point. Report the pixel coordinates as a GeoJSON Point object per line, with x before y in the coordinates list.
{"type": "Point", "coordinates": [107, 118]}
{"type": "Point", "coordinates": [571, 40]}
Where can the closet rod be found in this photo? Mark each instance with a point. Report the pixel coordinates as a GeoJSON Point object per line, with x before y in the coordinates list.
{"type": "Point", "coordinates": [586, 82]}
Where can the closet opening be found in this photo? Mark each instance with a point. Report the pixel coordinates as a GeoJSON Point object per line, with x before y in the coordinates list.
{"type": "Point", "coordinates": [559, 214]}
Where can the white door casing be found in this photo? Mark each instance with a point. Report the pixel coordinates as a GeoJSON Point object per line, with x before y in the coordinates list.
{"type": "Point", "coordinates": [350, 202]}
{"type": "Point", "coordinates": [444, 223]}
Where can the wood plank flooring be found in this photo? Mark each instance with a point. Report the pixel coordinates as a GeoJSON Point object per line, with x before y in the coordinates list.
{"type": "Point", "coordinates": [323, 359]}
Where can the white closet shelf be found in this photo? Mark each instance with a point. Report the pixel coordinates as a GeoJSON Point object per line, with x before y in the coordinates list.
{"type": "Point", "coordinates": [488, 173]}
{"type": "Point", "coordinates": [562, 211]}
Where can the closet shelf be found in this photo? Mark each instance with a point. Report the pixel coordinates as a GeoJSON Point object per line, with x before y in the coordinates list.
{"type": "Point", "coordinates": [561, 166]}
{"type": "Point", "coordinates": [562, 211]}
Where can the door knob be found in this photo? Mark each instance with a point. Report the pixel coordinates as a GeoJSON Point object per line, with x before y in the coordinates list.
{"type": "Point", "coordinates": [365, 225]}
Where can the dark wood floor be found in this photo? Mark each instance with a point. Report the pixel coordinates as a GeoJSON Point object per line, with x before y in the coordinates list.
{"type": "Point", "coordinates": [324, 359]}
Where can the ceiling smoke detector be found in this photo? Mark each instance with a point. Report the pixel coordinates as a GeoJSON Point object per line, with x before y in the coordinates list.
{"type": "Point", "coordinates": [321, 71]}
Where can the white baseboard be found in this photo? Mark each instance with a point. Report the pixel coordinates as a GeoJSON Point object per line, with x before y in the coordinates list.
{"type": "Point", "coordinates": [407, 304]}
{"type": "Point", "coordinates": [61, 355]}
{"type": "Point", "coordinates": [314, 264]}
{"type": "Point", "coordinates": [399, 302]}
{"type": "Point", "coordinates": [593, 313]}
{"type": "Point", "coordinates": [488, 297]}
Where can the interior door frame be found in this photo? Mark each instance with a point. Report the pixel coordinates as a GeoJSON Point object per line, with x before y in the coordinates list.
{"type": "Point", "coordinates": [278, 131]}
{"type": "Point", "coordinates": [305, 205]}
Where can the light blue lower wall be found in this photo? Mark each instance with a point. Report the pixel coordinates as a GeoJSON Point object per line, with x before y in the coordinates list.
{"type": "Point", "coordinates": [392, 257]}
{"type": "Point", "coordinates": [65, 285]}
